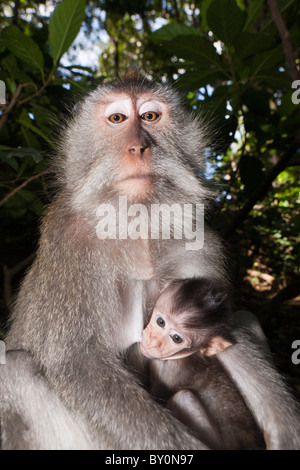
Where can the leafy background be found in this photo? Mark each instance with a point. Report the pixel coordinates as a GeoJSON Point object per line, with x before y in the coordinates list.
{"type": "Point", "coordinates": [235, 61]}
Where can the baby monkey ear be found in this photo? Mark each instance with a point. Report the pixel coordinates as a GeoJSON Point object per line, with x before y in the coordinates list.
{"type": "Point", "coordinates": [215, 346]}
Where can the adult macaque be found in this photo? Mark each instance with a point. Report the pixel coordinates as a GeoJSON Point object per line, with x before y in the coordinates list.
{"type": "Point", "coordinates": [82, 303]}
{"type": "Point", "coordinates": [189, 325]}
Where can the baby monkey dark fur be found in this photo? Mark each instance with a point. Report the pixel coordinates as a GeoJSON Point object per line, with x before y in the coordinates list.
{"type": "Point", "coordinates": [191, 324]}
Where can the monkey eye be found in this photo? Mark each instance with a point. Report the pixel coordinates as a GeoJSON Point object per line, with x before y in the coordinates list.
{"type": "Point", "coordinates": [117, 118]}
{"type": "Point", "coordinates": [176, 338]}
{"type": "Point", "coordinates": [160, 321]}
{"type": "Point", "coordinates": [150, 116]}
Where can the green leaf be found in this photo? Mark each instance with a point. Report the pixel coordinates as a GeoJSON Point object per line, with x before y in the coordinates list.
{"type": "Point", "coordinates": [195, 49]}
{"type": "Point", "coordinates": [203, 12]}
{"type": "Point", "coordinates": [2, 44]}
{"type": "Point", "coordinates": [79, 67]}
{"type": "Point", "coordinates": [34, 129]}
{"type": "Point", "coordinates": [287, 106]}
{"type": "Point", "coordinates": [79, 84]}
{"type": "Point", "coordinates": [11, 85]}
{"type": "Point", "coordinates": [64, 26]}
{"type": "Point", "coordinates": [199, 78]}
{"type": "Point", "coordinates": [226, 20]}
{"type": "Point", "coordinates": [267, 60]}
{"type": "Point", "coordinates": [10, 64]}
{"type": "Point", "coordinates": [24, 152]}
{"type": "Point", "coordinates": [10, 161]}
{"type": "Point", "coordinates": [250, 44]}
{"type": "Point", "coordinates": [34, 203]}
{"type": "Point", "coordinates": [23, 47]}
{"type": "Point", "coordinates": [4, 147]}
{"type": "Point", "coordinates": [172, 31]}
{"type": "Point", "coordinates": [16, 73]}
{"type": "Point", "coordinates": [275, 79]}
{"type": "Point", "coordinates": [253, 11]}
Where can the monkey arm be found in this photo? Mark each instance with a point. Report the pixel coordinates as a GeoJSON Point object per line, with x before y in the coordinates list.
{"type": "Point", "coordinates": [250, 365]}
{"type": "Point", "coordinates": [37, 416]}
{"type": "Point", "coordinates": [32, 416]}
{"type": "Point", "coordinates": [119, 407]}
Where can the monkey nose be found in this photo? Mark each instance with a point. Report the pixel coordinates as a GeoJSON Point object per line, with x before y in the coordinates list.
{"type": "Point", "coordinates": [154, 342]}
{"type": "Point", "coordinates": [138, 150]}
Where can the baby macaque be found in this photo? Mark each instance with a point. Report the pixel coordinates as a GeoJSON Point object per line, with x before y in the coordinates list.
{"type": "Point", "coordinates": [189, 326]}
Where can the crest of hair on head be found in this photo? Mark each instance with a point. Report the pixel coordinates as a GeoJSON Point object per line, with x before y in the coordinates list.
{"type": "Point", "coordinates": [133, 73]}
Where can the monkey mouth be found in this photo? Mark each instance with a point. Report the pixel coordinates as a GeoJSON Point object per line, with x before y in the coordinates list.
{"type": "Point", "coordinates": [139, 176]}
{"type": "Point", "coordinates": [145, 352]}
{"type": "Point", "coordinates": [136, 186]}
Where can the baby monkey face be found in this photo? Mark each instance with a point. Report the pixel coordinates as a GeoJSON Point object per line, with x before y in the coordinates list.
{"type": "Point", "coordinates": [168, 336]}
{"type": "Point", "coordinates": [161, 339]}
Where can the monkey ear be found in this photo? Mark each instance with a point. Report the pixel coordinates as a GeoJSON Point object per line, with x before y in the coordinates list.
{"type": "Point", "coordinates": [215, 346]}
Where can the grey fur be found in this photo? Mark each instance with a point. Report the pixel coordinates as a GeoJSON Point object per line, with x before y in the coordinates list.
{"type": "Point", "coordinates": [70, 311]}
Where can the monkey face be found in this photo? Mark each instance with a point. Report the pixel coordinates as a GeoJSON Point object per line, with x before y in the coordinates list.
{"type": "Point", "coordinates": [128, 122]}
{"type": "Point", "coordinates": [132, 139]}
{"type": "Point", "coordinates": [161, 339]}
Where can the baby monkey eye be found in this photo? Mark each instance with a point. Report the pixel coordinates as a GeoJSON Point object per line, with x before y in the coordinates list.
{"type": "Point", "coordinates": [117, 118]}
{"type": "Point", "coordinates": [150, 116]}
{"type": "Point", "coordinates": [160, 321]}
{"type": "Point", "coordinates": [176, 338]}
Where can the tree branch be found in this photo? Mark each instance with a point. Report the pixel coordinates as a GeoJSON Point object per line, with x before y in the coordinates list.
{"type": "Point", "coordinates": [285, 38]}
{"type": "Point", "coordinates": [38, 92]}
{"type": "Point", "coordinates": [16, 12]}
{"type": "Point", "coordinates": [16, 190]}
{"type": "Point", "coordinates": [262, 189]}
{"type": "Point", "coordinates": [177, 13]}
{"type": "Point", "coordinates": [117, 57]}
{"type": "Point", "coordinates": [12, 103]}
